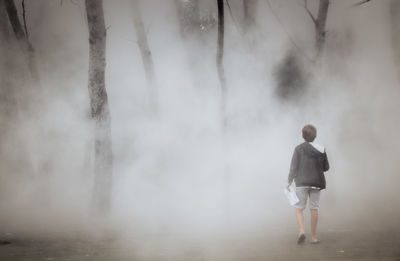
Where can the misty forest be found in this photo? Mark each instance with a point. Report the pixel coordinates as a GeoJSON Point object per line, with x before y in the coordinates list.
{"type": "Point", "coordinates": [164, 129]}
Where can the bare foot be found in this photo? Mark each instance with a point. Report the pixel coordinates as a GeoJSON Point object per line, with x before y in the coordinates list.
{"type": "Point", "coordinates": [301, 238]}
{"type": "Point", "coordinates": [314, 240]}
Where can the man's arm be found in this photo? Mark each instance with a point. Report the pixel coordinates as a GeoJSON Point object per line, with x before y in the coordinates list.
{"type": "Point", "coordinates": [326, 162]}
{"type": "Point", "coordinates": [293, 166]}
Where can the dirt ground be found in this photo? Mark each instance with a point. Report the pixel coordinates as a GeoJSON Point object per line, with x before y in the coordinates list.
{"type": "Point", "coordinates": [335, 245]}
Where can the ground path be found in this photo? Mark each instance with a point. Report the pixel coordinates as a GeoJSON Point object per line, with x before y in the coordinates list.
{"type": "Point", "coordinates": [336, 245]}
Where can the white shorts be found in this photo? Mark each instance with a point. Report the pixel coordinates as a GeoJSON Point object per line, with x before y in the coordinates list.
{"type": "Point", "coordinates": [303, 193]}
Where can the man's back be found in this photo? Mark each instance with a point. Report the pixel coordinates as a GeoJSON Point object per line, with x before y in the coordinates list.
{"type": "Point", "coordinates": [308, 166]}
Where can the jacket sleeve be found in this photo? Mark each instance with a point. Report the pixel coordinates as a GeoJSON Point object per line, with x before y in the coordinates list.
{"type": "Point", "coordinates": [326, 162]}
{"type": "Point", "coordinates": [294, 165]}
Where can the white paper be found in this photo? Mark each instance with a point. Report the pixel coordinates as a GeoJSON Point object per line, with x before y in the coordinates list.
{"type": "Point", "coordinates": [291, 195]}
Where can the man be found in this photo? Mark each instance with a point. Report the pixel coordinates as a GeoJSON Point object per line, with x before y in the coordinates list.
{"type": "Point", "coordinates": [307, 168]}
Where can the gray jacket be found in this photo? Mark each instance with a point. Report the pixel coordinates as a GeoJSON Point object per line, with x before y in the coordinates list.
{"type": "Point", "coordinates": [308, 166]}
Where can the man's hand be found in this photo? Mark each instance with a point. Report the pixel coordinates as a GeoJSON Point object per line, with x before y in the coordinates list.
{"type": "Point", "coordinates": [288, 186]}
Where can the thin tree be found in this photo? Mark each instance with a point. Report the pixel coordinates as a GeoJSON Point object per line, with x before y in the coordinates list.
{"type": "Point", "coordinates": [220, 60]}
{"type": "Point", "coordinates": [145, 52]}
{"type": "Point", "coordinates": [12, 111]}
{"type": "Point", "coordinates": [223, 108]}
{"type": "Point", "coordinates": [194, 31]}
{"type": "Point", "coordinates": [22, 36]}
{"type": "Point", "coordinates": [189, 17]}
{"type": "Point", "coordinates": [103, 161]}
{"type": "Point", "coordinates": [7, 73]}
{"type": "Point", "coordinates": [361, 3]}
{"type": "Point", "coordinates": [249, 11]}
{"type": "Point", "coordinates": [319, 24]}
{"type": "Point", "coordinates": [395, 32]}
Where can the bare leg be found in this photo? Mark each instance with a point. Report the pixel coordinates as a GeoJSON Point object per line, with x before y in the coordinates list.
{"type": "Point", "coordinates": [300, 220]}
{"type": "Point", "coordinates": [314, 222]}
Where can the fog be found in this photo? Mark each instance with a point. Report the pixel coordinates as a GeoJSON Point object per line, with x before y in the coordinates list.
{"type": "Point", "coordinates": [178, 172]}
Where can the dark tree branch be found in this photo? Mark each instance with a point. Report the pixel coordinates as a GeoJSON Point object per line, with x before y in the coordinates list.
{"type": "Point", "coordinates": [25, 27]}
{"type": "Point", "coordinates": [13, 17]}
{"type": "Point", "coordinates": [309, 12]}
{"type": "Point", "coordinates": [249, 12]}
{"type": "Point", "coordinates": [220, 59]}
{"type": "Point", "coordinates": [233, 18]}
{"type": "Point", "coordinates": [361, 3]}
{"type": "Point", "coordinates": [22, 36]}
{"type": "Point", "coordinates": [147, 57]}
{"type": "Point", "coordinates": [320, 25]}
{"type": "Point", "coordinates": [290, 38]}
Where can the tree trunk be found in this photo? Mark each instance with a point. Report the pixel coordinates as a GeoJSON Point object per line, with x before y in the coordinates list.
{"type": "Point", "coordinates": [22, 38]}
{"type": "Point", "coordinates": [8, 104]}
{"type": "Point", "coordinates": [223, 108]}
{"type": "Point", "coordinates": [145, 52]}
{"type": "Point", "coordinates": [220, 57]}
{"type": "Point", "coordinates": [395, 32]}
{"type": "Point", "coordinates": [320, 26]}
{"type": "Point", "coordinates": [16, 161]}
{"type": "Point", "coordinates": [189, 16]}
{"type": "Point", "coordinates": [250, 11]}
{"type": "Point", "coordinates": [4, 28]}
{"type": "Point", "coordinates": [103, 161]}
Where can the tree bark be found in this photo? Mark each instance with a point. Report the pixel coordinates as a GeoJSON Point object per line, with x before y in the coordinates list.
{"type": "Point", "coordinates": [189, 16]}
{"type": "Point", "coordinates": [223, 108]}
{"type": "Point", "coordinates": [4, 28]}
{"type": "Point", "coordinates": [145, 52]}
{"type": "Point", "coordinates": [320, 26]}
{"type": "Point", "coordinates": [220, 57]}
{"type": "Point", "coordinates": [8, 104]}
{"type": "Point", "coordinates": [395, 32]}
{"type": "Point", "coordinates": [103, 161]}
{"type": "Point", "coordinates": [22, 38]}
{"type": "Point", "coordinates": [16, 162]}
{"type": "Point", "coordinates": [250, 11]}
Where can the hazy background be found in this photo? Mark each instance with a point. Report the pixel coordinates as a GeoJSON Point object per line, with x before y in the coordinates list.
{"type": "Point", "coordinates": [169, 171]}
